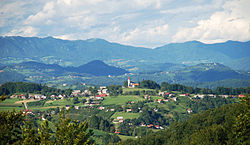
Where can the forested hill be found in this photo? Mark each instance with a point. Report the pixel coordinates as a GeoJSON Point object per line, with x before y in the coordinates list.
{"type": "Point", "coordinates": [231, 53]}
{"type": "Point", "coordinates": [228, 124]}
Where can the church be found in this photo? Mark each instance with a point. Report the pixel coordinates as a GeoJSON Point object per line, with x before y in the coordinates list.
{"type": "Point", "coordinates": [132, 84]}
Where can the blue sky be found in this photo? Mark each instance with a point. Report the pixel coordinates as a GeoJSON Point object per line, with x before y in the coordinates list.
{"type": "Point", "coordinates": [148, 23]}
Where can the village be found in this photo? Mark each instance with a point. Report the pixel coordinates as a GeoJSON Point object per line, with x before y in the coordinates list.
{"type": "Point", "coordinates": [102, 95]}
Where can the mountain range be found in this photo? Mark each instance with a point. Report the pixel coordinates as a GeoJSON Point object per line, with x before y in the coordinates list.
{"type": "Point", "coordinates": [74, 53]}
{"type": "Point", "coordinates": [95, 68]}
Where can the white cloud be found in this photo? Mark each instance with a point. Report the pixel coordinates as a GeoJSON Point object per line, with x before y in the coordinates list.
{"type": "Point", "coordinates": [147, 23]}
{"type": "Point", "coordinates": [24, 31]}
{"type": "Point", "coordinates": [148, 35]}
{"type": "Point", "coordinates": [230, 24]}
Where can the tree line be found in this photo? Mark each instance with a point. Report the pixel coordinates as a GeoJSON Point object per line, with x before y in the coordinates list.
{"type": "Point", "coordinates": [165, 86]}
{"type": "Point", "coordinates": [10, 88]}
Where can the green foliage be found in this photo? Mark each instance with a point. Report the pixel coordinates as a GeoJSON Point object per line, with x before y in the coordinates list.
{"type": "Point", "coordinates": [3, 97]}
{"type": "Point", "coordinates": [242, 124]}
{"type": "Point", "coordinates": [72, 132]}
{"type": "Point", "coordinates": [10, 88]}
{"type": "Point", "coordinates": [16, 130]}
{"type": "Point", "coordinates": [149, 84]}
{"type": "Point", "coordinates": [11, 126]}
{"type": "Point", "coordinates": [228, 124]}
{"type": "Point", "coordinates": [219, 90]}
{"type": "Point", "coordinates": [115, 90]}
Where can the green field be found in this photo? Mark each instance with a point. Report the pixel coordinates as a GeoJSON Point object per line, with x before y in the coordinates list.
{"type": "Point", "coordinates": [126, 115]}
{"type": "Point", "coordinates": [121, 100]}
{"type": "Point", "coordinates": [135, 89]}
{"type": "Point", "coordinates": [124, 137]}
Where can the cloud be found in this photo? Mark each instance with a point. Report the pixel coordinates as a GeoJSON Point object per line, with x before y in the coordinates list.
{"type": "Point", "coordinates": [149, 35]}
{"type": "Point", "coordinates": [147, 23]}
{"type": "Point", "coordinates": [230, 24]}
{"type": "Point", "coordinates": [24, 31]}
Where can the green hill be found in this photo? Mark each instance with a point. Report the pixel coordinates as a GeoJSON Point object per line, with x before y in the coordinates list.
{"type": "Point", "coordinates": [228, 124]}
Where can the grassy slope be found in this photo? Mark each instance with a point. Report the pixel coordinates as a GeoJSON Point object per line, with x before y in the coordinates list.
{"type": "Point", "coordinates": [126, 115]}
{"type": "Point", "coordinates": [121, 100]}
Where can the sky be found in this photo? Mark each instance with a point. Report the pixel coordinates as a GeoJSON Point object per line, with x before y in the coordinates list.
{"type": "Point", "coordinates": [144, 23]}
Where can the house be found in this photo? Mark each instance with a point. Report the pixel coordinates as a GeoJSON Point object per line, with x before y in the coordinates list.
{"type": "Point", "coordinates": [147, 97]}
{"type": "Point", "coordinates": [22, 96]}
{"type": "Point", "coordinates": [161, 93]}
{"type": "Point", "coordinates": [184, 95]}
{"type": "Point", "coordinates": [120, 121]}
{"type": "Point", "coordinates": [112, 110]}
{"type": "Point", "coordinates": [128, 110]}
{"type": "Point", "coordinates": [174, 99]}
{"type": "Point", "coordinates": [142, 124]}
{"type": "Point", "coordinates": [76, 92]}
{"type": "Point", "coordinates": [67, 107]}
{"type": "Point", "coordinates": [211, 95]}
{"type": "Point", "coordinates": [76, 107]}
{"type": "Point", "coordinates": [189, 110]}
{"type": "Point", "coordinates": [120, 118]}
{"type": "Point", "coordinates": [159, 100]}
{"type": "Point", "coordinates": [199, 96]}
{"type": "Point", "coordinates": [28, 111]}
{"type": "Point", "coordinates": [150, 125]}
{"type": "Point", "coordinates": [43, 97]}
{"type": "Point", "coordinates": [117, 132]}
{"type": "Point", "coordinates": [241, 96]}
{"type": "Point", "coordinates": [104, 91]}
{"type": "Point", "coordinates": [101, 108]}
{"type": "Point", "coordinates": [157, 126]}
{"type": "Point", "coordinates": [101, 95]}
{"type": "Point", "coordinates": [166, 100]}
{"type": "Point", "coordinates": [224, 96]}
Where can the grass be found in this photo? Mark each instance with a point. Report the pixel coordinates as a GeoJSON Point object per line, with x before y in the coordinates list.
{"type": "Point", "coordinates": [124, 137]}
{"type": "Point", "coordinates": [121, 100]}
{"type": "Point", "coordinates": [126, 115]}
{"type": "Point", "coordinates": [136, 89]}
{"type": "Point", "coordinates": [61, 102]}
{"type": "Point", "coordinates": [10, 101]}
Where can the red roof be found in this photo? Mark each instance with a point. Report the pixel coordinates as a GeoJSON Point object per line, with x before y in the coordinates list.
{"type": "Point", "coordinates": [101, 95]}
{"type": "Point", "coordinates": [241, 96]}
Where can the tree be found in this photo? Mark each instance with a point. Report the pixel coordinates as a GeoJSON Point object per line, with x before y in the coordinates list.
{"type": "Point", "coordinates": [115, 90]}
{"type": "Point", "coordinates": [3, 97]}
{"type": "Point", "coordinates": [11, 126]}
{"type": "Point", "coordinates": [16, 130]}
{"type": "Point", "coordinates": [242, 123]}
{"type": "Point", "coordinates": [72, 132]}
{"type": "Point", "coordinates": [93, 90]}
{"type": "Point", "coordinates": [125, 84]}
{"type": "Point", "coordinates": [149, 84]}
{"type": "Point", "coordinates": [76, 100]}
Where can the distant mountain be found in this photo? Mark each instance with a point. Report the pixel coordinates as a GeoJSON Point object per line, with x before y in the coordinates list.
{"type": "Point", "coordinates": [99, 68]}
{"type": "Point", "coordinates": [96, 68]}
{"type": "Point", "coordinates": [65, 52]}
{"type": "Point", "coordinates": [38, 65]}
{"type": "Point", "coordinates": [210, 72]}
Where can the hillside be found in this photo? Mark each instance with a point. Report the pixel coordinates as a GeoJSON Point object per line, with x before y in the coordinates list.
{"type": "Point", "coordinates": [210, 72]}
{"type": "Point", "coordinates": [96, 68]}
{"type": "Point", "coordinates": [99, 68]}
{"type": "Point", "coordinates": [65, 52]}
{"type": "Point", "coordinates": [228, 124]}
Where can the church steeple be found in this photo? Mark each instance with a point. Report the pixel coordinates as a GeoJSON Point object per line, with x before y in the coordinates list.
{"type": "Point", "coordinates": [128, 81]}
